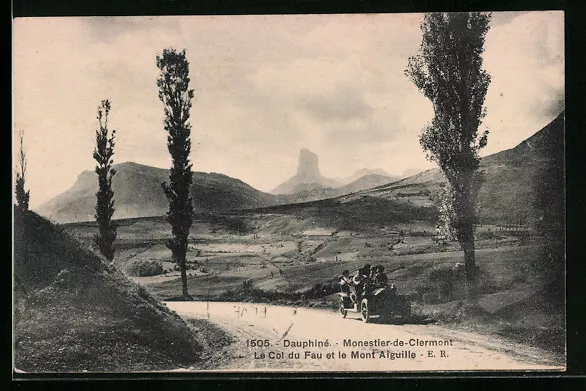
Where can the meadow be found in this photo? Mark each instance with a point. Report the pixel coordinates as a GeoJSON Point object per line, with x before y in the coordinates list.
{"type": "Point", "coordinates": [295, 260]}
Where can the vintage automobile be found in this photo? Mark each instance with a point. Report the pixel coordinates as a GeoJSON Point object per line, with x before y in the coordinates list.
{"type": "Point", "coordinates": [381, 303]}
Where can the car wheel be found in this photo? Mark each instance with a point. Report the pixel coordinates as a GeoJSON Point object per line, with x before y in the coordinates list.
{"type": "Point", "coordinates": [364, 311]}
{"type": "Point", "coordinates": [343, 310]}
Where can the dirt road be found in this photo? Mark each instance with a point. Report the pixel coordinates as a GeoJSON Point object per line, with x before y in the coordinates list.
{"type": "Point", "coordinates": [317, 340]}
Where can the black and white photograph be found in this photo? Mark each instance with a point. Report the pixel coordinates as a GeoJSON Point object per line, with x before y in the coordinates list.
{"type": "Point", "coordinates": [294, 193]}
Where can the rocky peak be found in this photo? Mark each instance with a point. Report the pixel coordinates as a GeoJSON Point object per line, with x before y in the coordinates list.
{"type": "Point", "coordinates": [308, 165]}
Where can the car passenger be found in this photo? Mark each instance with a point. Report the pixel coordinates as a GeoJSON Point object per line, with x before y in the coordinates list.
{"type": "Point", "coordinates": [361, 281]}
{"type": "Point", "coordinates": [357, 285]}
{"type": "Point", "coordinates": [345, 281]}
{"type": "Point", "coordinates": [380, 277]}
{"type": "Point", "coordinates": [366, 270]}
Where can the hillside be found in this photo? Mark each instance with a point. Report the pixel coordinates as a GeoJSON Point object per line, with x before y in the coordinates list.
{"type": "Point", "coordinates": [307, 192]}
{"type": "Point", "coordinates": [74, 313]}
{"type": "Point", "coordinates": [367, 172]}
{"type": "Point", "coordinates": [545, 145]}
{"type": "Point", "coordinates": [356, 213]}
{"type": "Point", "coordinates": [514, 179]}
{"type": "Point", "coordinates": [364, 182]}
{"type": "Point", "coordinates": [138, 193]}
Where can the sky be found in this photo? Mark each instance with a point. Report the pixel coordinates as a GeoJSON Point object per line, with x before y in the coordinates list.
{"type": "Point", "coordinates": [265, 87]}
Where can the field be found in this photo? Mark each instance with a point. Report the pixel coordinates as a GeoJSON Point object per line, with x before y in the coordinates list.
{"type": "Point", "coordinates": [292, 258]}
{"type": "Point", "coordinates": [278, 252]}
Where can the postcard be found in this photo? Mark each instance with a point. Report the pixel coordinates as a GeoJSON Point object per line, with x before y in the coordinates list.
{"type": "Point", "coordinates": [330, 193]}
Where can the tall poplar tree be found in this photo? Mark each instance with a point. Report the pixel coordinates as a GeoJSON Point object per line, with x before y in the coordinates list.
{"type": "Point", "coordinates": [174, 92]}
{"type": "Point", "coordinates": [448, 71]}
{"type": "Point", "coordinates": [103, 154]}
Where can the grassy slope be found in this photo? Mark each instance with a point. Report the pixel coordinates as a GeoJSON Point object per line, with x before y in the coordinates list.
{"type": "Point", "coordinates": [356, 213]}
{"type": "Point", "coordinates": [73, 313]}
{"type": "Point", "coordinates": [513, 179]}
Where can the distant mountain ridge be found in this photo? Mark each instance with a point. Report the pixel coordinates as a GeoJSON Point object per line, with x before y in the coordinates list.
{"type": "Point", "coordinates": [138, 193]}
{"type": "Point", "coordinates": [309, 185]}
{"type": "Point", "coordinates": [513, 178]}
{"type": "Point", "coordinates": [510, 190]}
{"type": "Point", "coordinates": [379, 172]}
{"type": "Point", "coordinates": [307, 177]}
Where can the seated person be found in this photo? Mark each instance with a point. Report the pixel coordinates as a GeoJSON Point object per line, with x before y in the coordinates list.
{"type": "Point", "coordinates": [380, 277]}
{"type": "Point", "coordinates": [365, 270]}
{"type": "Point", "coordinates": [358, 282]}
{"type": "Point", "coordinates": [366, 280]}
{"type": "Point", "coordinates": [373, 271]}
{"type": "Point", "coordinates": [345, 281]}
{"type": "Point", "coordinates": [368, 275]}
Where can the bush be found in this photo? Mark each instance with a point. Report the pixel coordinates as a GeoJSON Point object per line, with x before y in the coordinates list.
{"type": "Point", "coordinates": [446, 283]}
{"type": "Point", "coordinates": [424, 233]}
{"type": "Point", "coordinates": [247, 284]}
{"type": "Point", "coordinates": [439, 286]}
{"type": "Point", "coordinates": [490, 234]}
{"type": "Point", "coordinates": [144, 268]}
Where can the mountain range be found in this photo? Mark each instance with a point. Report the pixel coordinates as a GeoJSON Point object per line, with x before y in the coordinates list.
{"type": "Point", "coordinates": [308, 177]}
{"type": "Point", "coordinates": [519, 183]}
{"type": "Point", "coordinates": [510, 191]}
{"type": "Point", "coordinates": [138, 193]}
{"type": "Point", "coordinates": [378, 172]}
{"type": "Point", "coordinates": [309, 185]}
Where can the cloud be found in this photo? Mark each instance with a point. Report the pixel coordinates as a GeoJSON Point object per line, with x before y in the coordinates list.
{"type": "Point", "coordinates": [344, 103]}
{"type": "Point", "coordinates": [556, 104]}
{"type": "Point", "coordinates": [265, 87]}
{"type": "Point", "coordinates": [525, 59]}
{"type": "Point", "coordinates": [108, 30]}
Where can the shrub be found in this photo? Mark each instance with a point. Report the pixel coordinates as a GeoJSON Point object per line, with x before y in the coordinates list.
{"type": "Point", "coordinates": [489, 234]}
{"type": "Point", "coordinates": [237, 225]}
{"type": "Point", "coordinates": [144, 268]}
{"type": "Point", "coordinates": [439, 286]}
{"type": "Point", "coordinates": [247, 284]}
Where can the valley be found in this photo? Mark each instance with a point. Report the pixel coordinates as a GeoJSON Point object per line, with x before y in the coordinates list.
{"type": "Point", "coordinates": [295, 260]}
